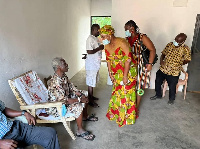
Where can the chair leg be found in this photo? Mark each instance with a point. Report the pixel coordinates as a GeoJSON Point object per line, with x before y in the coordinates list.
{"type": "Point", "coordinates": [177, 88]}
{"type": "Point", "coordinates": [185, 90]}
{"type": "Point", "coordinates": [164, 88]}
{"type": "Point", "coordinates": [67, 127]}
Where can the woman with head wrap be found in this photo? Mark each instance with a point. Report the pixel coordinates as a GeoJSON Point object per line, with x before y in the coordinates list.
{"type": "Point", "coordinates": [122, 71]}
{"type": "Point", "coordinates": [139, 41]}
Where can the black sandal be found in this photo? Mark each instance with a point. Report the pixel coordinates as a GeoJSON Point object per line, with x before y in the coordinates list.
{"type": "Point", "coordinates": [95, 98]}
{"type": "Point", "coordinates": [86, 135]}
{"type": "Point", "coordinates": [93, 104]}
{"type": "Point", "coordinates": [91, 118]}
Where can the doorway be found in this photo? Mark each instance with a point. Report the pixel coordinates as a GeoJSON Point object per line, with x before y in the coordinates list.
{"type": "Point", "coordinates": [101, 20]}
{"type": "Point", "coordinates": [194, 65]}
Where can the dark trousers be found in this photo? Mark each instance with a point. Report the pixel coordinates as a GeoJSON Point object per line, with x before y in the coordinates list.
{"type": "Point", "coordinates": [171, 80]}
{"type": "Point", "coordinates": [27, 135]}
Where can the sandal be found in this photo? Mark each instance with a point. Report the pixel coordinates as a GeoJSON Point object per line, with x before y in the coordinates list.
{"type": "Point", "coordinates": [95, 98]}
{"type": "Point", "coordinates": [91, 118]}
{"type": "Point", "coordinates": [93, 104]}
{"type": "Point", "coordinates": [86, 135]}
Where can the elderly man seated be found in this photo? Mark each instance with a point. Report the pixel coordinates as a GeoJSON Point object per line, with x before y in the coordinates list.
{"type": "Point", "coordinates": [15, 134]}
{"type": "Point", "coordinates": [61, 89]}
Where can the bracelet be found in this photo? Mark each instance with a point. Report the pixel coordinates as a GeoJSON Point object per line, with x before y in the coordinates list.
{"type": "Point", "coordinates": [151, 63]}
{"type": "Point", "coordinates": [81, 95]}
{"type": "Point", "coordinates": [23, 112]}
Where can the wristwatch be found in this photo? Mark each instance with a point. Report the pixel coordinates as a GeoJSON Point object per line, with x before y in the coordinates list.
{"type": "Point", "coordinates": [23, 112]}
{"type": "Point", "coordinates": [151, 63]}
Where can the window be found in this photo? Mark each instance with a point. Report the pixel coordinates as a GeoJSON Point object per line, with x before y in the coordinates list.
{"type": "Point", "coordinates": [101, 20]}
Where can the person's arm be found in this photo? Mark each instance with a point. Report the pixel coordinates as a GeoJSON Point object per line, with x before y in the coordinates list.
{"type": "Point", "coordinates": [126, 49]}
{"type": "Point", "coordinates": [149, 44]}
{"type": "Point", "coordinates": [101, 47]}
{"type": "Point", "coordinates": [13, 113]}
{"type": "Point", "coordinates": [164, 53]}
{"type": "Point", "coordinates": [187, 56]}
{"type": "Point", "coordinates": [162, 57]}
{"type": "Point", "coordinates": [109, 66]}
{"type": "Point", "coordinates": [110, 72]}
{"type": "Point", "coordinates": [91, 46]}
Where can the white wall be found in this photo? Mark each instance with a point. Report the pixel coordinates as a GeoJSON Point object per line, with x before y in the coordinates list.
{"type": "Point", "coordinates": [158, 19]}
{"type": "Point", "coordinates": [32, 33]}
{"type": "Point", "coordinates": [101, 7]}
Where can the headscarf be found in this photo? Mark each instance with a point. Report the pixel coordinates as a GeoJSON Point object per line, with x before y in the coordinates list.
{"type": "Point", "coordinates": [107, 29]}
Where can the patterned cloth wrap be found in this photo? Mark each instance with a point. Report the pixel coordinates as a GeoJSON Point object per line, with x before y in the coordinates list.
{"type": "Point", "coordinates": [107, 29]}
{"type": "Point", "coordinates": [31, 89]}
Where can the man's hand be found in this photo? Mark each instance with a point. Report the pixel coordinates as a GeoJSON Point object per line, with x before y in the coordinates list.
{"type": "Point", "coordinates": [69, 101]}
{"type": "Point", "coordinates": [8, 144]}
{"type": "Point", "coordinates": [30, 118]}
{"type": "Point", "coordinates": [84, 56]}
{"type": "Point", "coordinates": [84, 99]}
{"type": "Point", "coordinates": [162, 63]}
{"type": "Point", "coordinates": [101, 47]}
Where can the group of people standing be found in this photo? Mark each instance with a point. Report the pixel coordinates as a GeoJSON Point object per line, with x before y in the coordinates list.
{"type": "Point", "coordinates": [127, 69]}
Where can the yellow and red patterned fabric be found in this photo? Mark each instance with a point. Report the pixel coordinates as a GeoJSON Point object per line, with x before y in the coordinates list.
{"type": "Point", "coordinates": [122, 105]}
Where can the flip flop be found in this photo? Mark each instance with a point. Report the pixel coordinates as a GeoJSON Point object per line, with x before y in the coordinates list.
{"type": "Point", "coordinates": [86, 136]}
{"type": "Point", "coordinates": [95, 98]}
{"type": "Point", "coordinates": [93, 104]}
{"type": "Point", "coordinates": [91, 118]}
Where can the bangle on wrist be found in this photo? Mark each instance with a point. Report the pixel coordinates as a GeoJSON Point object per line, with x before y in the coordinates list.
{"type": "Point", "coordinates": [79, 99]}
{"type": "Point", "coordinates": [151, 63]}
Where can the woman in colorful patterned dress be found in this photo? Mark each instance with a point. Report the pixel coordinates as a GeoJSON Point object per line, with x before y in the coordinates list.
{"type": "Point", "coordinates": [135, 39]}
{"type": "Point", "coordinates": [123, 72]}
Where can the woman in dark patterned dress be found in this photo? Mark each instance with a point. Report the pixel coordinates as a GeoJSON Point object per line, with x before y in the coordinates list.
{"type": "Point", "coordinates": [135, 39]}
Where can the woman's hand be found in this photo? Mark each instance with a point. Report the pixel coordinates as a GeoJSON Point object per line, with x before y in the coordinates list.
{"type": "Point", "coordinates": [148, 67]}
{"type": "Point", "coordinates": [125, 80]}
{"type": "Point", "coordinates": [112, 79]}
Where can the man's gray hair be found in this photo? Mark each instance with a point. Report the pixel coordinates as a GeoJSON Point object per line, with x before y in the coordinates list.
{"type": "Point", "coordinates": [56, 62]}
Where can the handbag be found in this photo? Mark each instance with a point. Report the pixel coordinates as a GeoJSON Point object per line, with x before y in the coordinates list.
{"type": "Point", "coordinates": [146, 53]}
